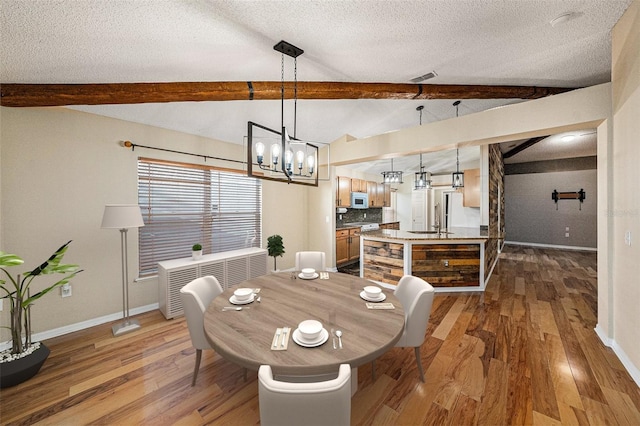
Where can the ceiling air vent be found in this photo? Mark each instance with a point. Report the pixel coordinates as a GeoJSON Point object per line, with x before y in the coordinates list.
{"type": "Point", "coordinates": [427, 76]}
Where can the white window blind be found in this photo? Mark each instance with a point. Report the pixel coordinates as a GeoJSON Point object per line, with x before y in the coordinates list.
{"type": "Point", "coordinates": [184, 204]}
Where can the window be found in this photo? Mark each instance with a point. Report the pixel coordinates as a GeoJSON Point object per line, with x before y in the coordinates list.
{"type": "Point", "coordinates": [184, 204]}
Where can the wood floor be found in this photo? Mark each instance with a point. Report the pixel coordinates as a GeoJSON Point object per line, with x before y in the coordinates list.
{"type": "Point", "coordinates": [524, 352]}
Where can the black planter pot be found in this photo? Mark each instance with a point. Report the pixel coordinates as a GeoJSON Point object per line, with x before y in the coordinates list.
{"type": "Point", "coordinates": [15, 372]}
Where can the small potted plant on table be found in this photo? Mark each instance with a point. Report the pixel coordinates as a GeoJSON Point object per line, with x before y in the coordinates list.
{"type": "Point", "coordinates": [275, 248]}
{"type": "Point", "coordinates": [196, 251]}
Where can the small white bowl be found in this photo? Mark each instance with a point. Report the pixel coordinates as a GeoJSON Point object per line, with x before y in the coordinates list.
{"type": "Point", "coordinates": [310, 329]}
{"type": "Point", "coordinates": [243, 294]}
{"type": "Point", "coordinates": [308, 272]}
{"type": "Point", "coordinates": [372, 292]}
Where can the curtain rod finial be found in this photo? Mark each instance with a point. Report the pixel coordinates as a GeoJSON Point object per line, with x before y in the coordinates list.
{"type": "Point", "coordinates": [127, 144]}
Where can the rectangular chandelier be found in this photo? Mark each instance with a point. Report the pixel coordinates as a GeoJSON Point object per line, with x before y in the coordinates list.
{"type": "Point", "coordinates": [265, 158]}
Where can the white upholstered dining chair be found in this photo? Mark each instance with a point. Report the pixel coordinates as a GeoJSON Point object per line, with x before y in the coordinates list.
{"type": "Point", "coordinates": [310, 259]}
{"type": "Point", "coordinates": [304, 403]}
{"type": "Point", "coordinates": [196, 296]}
{"type": "Point", "coordinates": [416, 297]}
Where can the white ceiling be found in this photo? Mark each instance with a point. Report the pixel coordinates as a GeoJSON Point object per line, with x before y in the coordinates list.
{"type": "Point", "coordinates": [476, 42]}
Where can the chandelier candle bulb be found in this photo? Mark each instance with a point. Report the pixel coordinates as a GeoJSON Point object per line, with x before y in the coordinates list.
{"type": "Point", "coordinates": [275, 153]}
{"type": "Point", "coordinates": [260, 152]}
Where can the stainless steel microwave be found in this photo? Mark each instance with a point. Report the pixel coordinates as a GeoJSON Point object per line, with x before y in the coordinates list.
{"type": "Point", "coordinates": [359, 200]}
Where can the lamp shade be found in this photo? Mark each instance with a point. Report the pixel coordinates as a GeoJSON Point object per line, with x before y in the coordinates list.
{"type": "Point", "coordinates": [122, 216]}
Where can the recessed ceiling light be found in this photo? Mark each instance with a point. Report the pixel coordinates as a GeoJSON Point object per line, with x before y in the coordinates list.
{"type": "Point", "coordinates": [562, 18]}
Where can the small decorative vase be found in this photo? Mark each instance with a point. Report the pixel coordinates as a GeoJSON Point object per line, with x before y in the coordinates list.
{"type": "Point", "coordinates": [196, 254]}
{"type": "Point", "coordinates": [22, 369]}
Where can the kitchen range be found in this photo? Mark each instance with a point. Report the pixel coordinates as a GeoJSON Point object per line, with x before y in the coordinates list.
{"type": "Point", "coordinates": [364, 226]}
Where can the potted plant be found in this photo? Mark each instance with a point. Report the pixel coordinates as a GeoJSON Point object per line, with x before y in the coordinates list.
{"type": "Point", "coordinates": [196, 251]}
{"type": "Point", "coordinates": [275, 248]}
{"type": "Point", "coordinates": [25, 358]}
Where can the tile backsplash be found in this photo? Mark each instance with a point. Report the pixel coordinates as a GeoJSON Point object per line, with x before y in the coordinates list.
{"type": "Point", "coordinates": [358, 215]}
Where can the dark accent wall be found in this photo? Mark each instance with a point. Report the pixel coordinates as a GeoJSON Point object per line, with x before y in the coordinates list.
{"type": "Point", "coordinates": [534, 217]}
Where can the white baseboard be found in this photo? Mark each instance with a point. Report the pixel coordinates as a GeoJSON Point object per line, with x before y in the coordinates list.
{"type": "Point", "coordinates": [634, 372]}
{"type": "Point", "coordinates": [552, 246]}
{"type": "Point", "coordinates": [603, 336]}
{"type": "Point", "coordinates": [49, 334]}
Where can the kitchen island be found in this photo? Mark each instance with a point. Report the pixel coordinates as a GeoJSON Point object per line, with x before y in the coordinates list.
{"type": "Point", "coordinates": [460, 259]}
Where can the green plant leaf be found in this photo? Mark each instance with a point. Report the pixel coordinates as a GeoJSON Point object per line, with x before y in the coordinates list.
{"type": "Point", "coordinates": [7, 259]}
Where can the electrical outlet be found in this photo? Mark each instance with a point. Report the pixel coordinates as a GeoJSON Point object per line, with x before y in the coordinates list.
{"type": "Point", "coordinates": [566, 234]}
{"type": "Point", "coordinates": [65, 290]}
{"type": "Point", "coordinates": [365, 215]}
{"type": "Point", "coordinates": [627, 238]}
{"type": "Point", "coordinates": [446, 263]}
{"type": "Point", "coordinates": [566, 229]}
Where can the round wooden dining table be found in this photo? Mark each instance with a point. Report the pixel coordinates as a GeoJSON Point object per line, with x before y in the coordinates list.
{"type": "Point", "coordinates": [245, 336]}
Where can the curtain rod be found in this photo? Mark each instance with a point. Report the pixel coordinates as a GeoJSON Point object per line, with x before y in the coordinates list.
{"type": "Point", "coordinates": [129, 144]}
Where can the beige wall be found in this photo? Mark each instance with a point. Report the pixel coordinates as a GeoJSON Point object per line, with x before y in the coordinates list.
{"type": "Point", "coordinates": [60, 167]}
{"type": "Point", "coordinates": [625, 206]}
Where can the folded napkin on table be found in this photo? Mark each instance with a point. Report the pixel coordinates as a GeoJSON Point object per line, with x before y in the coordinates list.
{"type": "Point", "coordinates": [387, 305]}
{"type": "Point", "coordinates": [280, 340]}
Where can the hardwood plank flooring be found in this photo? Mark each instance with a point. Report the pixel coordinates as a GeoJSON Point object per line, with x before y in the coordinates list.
{"type": "Point", "coordinates": [523, 352]}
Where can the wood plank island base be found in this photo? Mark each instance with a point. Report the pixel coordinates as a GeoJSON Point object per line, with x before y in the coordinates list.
{"type": "Point", "coordinates": [460, 259]}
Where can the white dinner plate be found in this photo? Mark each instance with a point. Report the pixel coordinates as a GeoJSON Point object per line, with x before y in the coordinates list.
{"type": "Point", "coordinates": [313, 277]}
{"type": "Point", "coordinates": [369, 299]}
{"type": "Point", "coordinates": [235, 301]}
{"type": "Point", "coordinates": [296, 336]}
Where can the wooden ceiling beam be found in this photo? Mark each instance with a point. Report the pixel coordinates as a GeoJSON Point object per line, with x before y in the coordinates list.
{"type": "Point", "coordinates": [527, 144]}
{"type": "Point", "coordinates": [38, 95]}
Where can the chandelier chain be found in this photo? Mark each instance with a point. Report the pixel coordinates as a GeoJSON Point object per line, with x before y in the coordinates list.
{"type": "Point", "coordinates": [282, 91]}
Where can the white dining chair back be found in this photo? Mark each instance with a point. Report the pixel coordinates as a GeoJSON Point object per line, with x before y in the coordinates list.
{"type": "Point", "coordinates": [310, 259]}
{"type": "Point", "coordinates": [416, 297]}
{"type": "Point", "coordinates": [307, 403]}
{"type": "Point", "coordinates": [196, 296]}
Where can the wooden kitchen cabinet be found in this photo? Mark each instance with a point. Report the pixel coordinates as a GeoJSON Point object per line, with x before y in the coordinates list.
{"type": "Point", "coordinates": [347, 245]}
{"type": "Point", "coordinates": [343, 192]}
{"type": "Point", "coordinates": [358, 185]}
{"type": "Point", "coordinates": [379, 194]}
{"type": "Point", "coordinates": [371, 191]}
{"type": "Point", "coordinates": [386, 195]}
{"type": "Point", "coordinates": [390, 225]}
{"type": "Point", "coordinates": [354, 244]}
{"type": "Point", "coordinates": [471, 193]}
{"type": "Point", "coordinates": [342, 246]}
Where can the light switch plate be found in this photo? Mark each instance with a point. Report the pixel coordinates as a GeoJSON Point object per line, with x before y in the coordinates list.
{"type": "Point", "coordinates": [627, 238]}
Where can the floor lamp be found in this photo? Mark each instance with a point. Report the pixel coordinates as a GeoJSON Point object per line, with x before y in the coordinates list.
{"type": "Point", "coordinates": [123, 217]}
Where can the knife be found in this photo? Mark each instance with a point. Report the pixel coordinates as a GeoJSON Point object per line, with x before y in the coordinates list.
{"type": "Point", "coordinates": [285, 330]}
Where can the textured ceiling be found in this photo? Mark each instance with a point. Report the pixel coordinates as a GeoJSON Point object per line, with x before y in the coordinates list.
{"type": "Point", "coordinates": [478, 42]}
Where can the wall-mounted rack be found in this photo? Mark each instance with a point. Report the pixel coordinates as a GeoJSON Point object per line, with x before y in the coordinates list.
{"type": "Point", "coordinates": [579, 195]}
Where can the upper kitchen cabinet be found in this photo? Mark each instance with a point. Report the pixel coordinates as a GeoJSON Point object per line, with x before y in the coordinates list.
{"type": "Point", "coordinates": [471, 193]}
{"type": "Point", "coordinates": [379, 194]}
{"type": "Point", "coordinates": [358, 185]}
{"type": "Point", "coordinates": [343, 192]}
{"type": "Point", "coordinates": [372, 190]}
